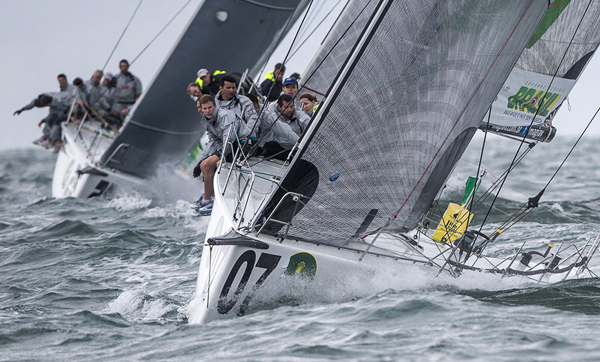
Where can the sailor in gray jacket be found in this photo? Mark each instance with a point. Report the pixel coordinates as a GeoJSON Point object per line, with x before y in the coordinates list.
{"type": "Point", "coordinates": [281, 126]}
{"type": "Point", "coordinates": [59, 103]}
{"type": "Point", "coordinates": [128, 88]}
{"type": "Point", "coordinates": [227, 98]}
{"type": "Point", "coordinates": [297, 120]}
{"type": "Point", "coordinates": [224, 128]}
{"type": "Point", "coordinates": [96, 94]}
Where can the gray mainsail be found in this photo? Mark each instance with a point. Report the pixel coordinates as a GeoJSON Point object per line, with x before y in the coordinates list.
{"type": "Point", "coordinates": [549, 67]}
{"type": "Point", "coordinates": [401, 113]}
{"type": "Point", "coordinates": [164, 124]}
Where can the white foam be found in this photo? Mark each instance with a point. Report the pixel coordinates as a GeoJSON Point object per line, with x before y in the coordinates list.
{"type": "Point", "coordinates": [129, 202]}
{"type": "Point", "coordinates": [135, 304]}
{"type": "Point", "coordinates": [125, 304]}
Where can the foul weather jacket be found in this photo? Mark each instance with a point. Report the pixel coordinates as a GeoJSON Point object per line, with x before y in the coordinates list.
{"type": "Point", "coordinates": [274, 127]}
{"type": "Point", "coordinates": [243, 108]}
{"type": "Point", "coordinates": [128, 88]}
{"type": "Point", "coordinates": [221, 128]}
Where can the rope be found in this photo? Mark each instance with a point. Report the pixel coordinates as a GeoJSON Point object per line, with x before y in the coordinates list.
{"type": "Point", "coordinates": [160, 32]}
{"type": "Point", "coordinates": [121, 37]}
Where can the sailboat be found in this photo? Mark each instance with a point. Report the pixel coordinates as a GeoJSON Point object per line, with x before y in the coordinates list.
{"type": "Point", "coordinates": [163, 124]}
{"type": "Point", "coordinates": [406, 85]}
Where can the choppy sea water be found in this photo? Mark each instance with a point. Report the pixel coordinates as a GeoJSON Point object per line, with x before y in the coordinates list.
{"type": "Point", "coordinates": [100, 279]}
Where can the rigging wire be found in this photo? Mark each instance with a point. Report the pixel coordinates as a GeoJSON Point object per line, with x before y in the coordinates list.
{"type": "Point", "coordinates": [289, 49]}
{"type": "Point", "coordinates": [283, 64]}
{"type": "Point", "coordinates": [496, 183]}
{"type": "Point", "coordinates": [160, 32]}
{"type": "Point", "coordinates": [572, 148]}
{"type": "Point", "coordinates": [276, 75]}
{"type": "Point", "coordinates": [121, 37]}
{"type": "Point", "coordinates": [533, 119]}
{"type": "Point", "coordinates": [480, 160]}
{"type": "Point", "coordinates": [312, 18]}
{"type": "Point", "coordinates": [315, 29]}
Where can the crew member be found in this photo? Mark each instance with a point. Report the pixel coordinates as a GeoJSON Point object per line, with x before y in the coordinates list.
{"type": "Point", "coordinates": [280, 129]}
{"type": "Point", "coordinates": [59, 104]}
{"type": "Point", "coordinates": [309, 103]}
{"type": "Point", "coordinates": [227, 98]}
{"type": "Point", "coordinates": [271, 87]}
{"type": "Point", "coordinates": [223, 127]}
{"type": "Point", "coordinates": [128, 89]}
{"type": "Point", "coordinates": [209, 82]}
{"type": "Point", "coordinates": [193, 89]}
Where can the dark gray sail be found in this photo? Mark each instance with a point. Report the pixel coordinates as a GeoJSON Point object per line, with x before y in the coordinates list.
{"type": "Point", "coordinates": [401, 113]}
{"type": "Point", "coordinates": [165, 124]}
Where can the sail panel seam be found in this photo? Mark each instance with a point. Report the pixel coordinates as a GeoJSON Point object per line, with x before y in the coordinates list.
{"type": "Point", "coordinates": [174, 133]}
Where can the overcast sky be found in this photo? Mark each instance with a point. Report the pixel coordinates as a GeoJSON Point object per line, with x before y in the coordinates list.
{"type": "Point", "coordinates": [40, 39]}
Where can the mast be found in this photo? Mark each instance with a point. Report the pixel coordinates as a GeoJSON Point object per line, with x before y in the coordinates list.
{"type": "Point", "coordinates": [400, 113]}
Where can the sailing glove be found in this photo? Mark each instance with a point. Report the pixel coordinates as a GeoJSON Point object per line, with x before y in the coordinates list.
{"type": "Point", "coordinates": [18, 112]}
{"type": "Point", "coordinates": [197, 171]}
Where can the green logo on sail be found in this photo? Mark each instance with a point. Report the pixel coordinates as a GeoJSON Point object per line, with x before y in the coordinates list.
{"type": "Point", "coordinates": [529, 100]}
{"type": "Point", "coordinates": [303, 265]}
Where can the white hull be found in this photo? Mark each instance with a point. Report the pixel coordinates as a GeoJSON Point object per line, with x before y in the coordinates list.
{"type": "Point", "coordinates": [233, 273]}
{"type": "Point", "coordinates": [78, 172]}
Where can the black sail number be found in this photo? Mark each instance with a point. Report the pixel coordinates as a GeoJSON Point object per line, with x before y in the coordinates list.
{"type": "Point", "coordinates": [267, 261]}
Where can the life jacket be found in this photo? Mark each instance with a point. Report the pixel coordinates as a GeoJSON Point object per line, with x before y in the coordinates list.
{"type": "Point", "coordinates": [270, 76]}
{"type": "Point", "coordinates": [200, 82]}
{"type": "Point", "coordinates": [314, 108]}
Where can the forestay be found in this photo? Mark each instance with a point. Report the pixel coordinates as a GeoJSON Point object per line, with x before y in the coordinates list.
{"type": "Point", "coordinates": [225, 35]}
{"type": "Point", "coordinates": [400, 114]}
{"type": "Point", "coordinates": [562, 45]}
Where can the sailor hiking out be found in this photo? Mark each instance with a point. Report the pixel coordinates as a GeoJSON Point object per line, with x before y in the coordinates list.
{"type": "Point", "coordinates": [223, 127]}
{"type": "Point", "coordinates": [59, 103]}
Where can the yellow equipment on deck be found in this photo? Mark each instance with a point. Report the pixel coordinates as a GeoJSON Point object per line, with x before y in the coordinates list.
{"type": "Point", "coordinates": [453, 224]}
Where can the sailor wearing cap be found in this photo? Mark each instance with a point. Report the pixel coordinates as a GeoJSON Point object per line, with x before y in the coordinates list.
{"type": "Point", "coordinates": [290, 87]}
{"type": "Point", "coordinates": [209, 82]}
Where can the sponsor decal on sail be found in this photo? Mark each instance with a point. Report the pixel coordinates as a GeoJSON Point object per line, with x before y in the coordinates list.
{"type": "Point", "coordinates": [525, 94]}
{"type": "Point", "coordinates": [531, 100]}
